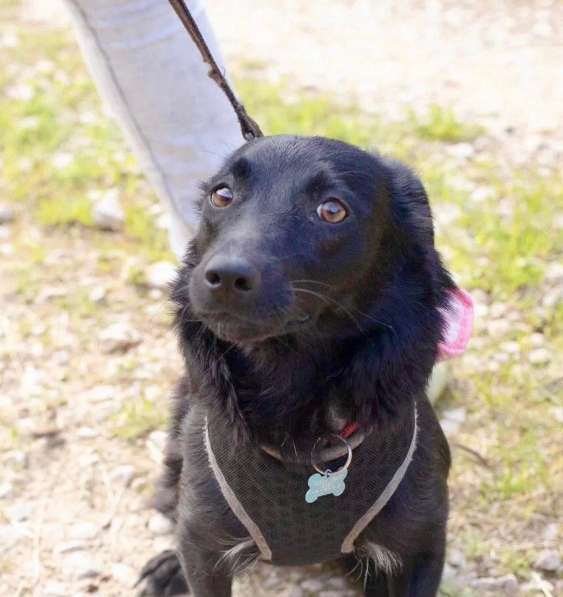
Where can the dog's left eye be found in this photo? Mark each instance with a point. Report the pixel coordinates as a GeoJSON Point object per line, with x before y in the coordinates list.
{"type": "Point", "coordinates": [221, 197]}
{"type": "Point", "coordinates": [332, 211]}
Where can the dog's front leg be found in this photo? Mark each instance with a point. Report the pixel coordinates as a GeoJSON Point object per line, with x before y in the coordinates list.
{"type": "Point", "coordinates": [419, 577]}
{"type": "Point", "coordinates": [206, 574]}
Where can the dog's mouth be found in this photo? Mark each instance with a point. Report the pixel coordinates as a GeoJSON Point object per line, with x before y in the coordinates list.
{"type": "Point", "coordinates": [237, 330]}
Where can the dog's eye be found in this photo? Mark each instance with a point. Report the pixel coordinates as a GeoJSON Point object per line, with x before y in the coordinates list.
{"type": "Point", "coordinates": [332, 211]}
{"type": "Point", "coordinates": [221, 197]}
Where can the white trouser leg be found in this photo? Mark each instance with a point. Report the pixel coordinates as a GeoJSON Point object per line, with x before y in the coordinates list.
{"type": "Point", "coordinates": [153, 80]}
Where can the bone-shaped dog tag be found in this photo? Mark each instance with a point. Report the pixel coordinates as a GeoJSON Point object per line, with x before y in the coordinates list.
{"type": "Point", "coordinates": [327, 483]}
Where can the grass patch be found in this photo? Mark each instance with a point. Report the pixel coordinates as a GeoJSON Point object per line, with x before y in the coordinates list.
{"type": "Point", "coordinates": [450, 589]}
{"type": "Point", "coordinates": [511, 231]}
{"type": "Point", "coordinates": [137, 418]}
{"type": "Point", "coordinates": [442, 124]}
{"type": "Point", "coordinates": [140, 226]}
{"type": "Point", "coordinates": [311, 115]}
{"type": "Point", "coordinates": [55, 211]}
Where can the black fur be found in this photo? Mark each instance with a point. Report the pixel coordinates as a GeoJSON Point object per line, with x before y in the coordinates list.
{"type": "Point", "coordinates": [341, 318]}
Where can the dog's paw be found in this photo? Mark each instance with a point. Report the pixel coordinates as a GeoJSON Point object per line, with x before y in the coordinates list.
{"type": "Point", "coordinates": [162, 576]}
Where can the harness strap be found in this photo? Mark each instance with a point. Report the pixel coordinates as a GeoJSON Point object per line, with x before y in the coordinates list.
{"type": "Point", "coordinates": [386, 494]}
{"type": "Point", "coordinates": [234, 503]}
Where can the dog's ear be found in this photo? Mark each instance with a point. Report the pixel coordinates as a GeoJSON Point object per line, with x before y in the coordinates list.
{"type": "Point", "coordinates": [415, 308]}
{"type": "Point", "coordinates": [410, 207]}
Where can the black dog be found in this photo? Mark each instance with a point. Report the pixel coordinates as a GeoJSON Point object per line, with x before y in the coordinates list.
{"type": "Point", "coordinates": [310, 301]}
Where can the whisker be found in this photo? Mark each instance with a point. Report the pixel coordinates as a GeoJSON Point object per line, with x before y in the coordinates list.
{"type": "Point", "coordinates": [366, 315]}
{"type": "Point", "coordinates": [330, 300]}
{"type": "Point", "coordinates": [313, 282]}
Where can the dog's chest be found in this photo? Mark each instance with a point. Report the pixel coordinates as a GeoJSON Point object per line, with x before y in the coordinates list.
{"type": "Point", "coordinates": [269, 499]}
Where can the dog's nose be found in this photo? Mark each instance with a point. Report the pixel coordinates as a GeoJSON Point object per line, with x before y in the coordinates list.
{"type": "Point", "coordinates": [227, 275]}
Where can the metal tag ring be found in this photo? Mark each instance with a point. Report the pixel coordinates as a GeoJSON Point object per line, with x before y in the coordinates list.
{"type": "Point", "coordinates": [343, 467]}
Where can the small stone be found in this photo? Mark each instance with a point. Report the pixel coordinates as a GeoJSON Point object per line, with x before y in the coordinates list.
{"type": "Point", "coordinates": [452, 420]}
{"type": "Point", "coordinates": [539, 356]}
{"type": "Point", "coordinates": [53, 588]}
{"type": "Point", "coordinates": [510, 347]}
{"type": "Point", "coordinates": [160, 275]}
{"type": "Point", "coordinates": [139, 484]}
{"type": "Point", "coordinates": [552, 298]}
{"type": "Point", "coordinates": [62, 160]}
{"type": "Point", "coordinates": [102, 393]}
{"type": "Point", "coordinates": [498, 310]}
{"type": "Point", "coordinates": [119, 337]}
{"type": "Point", "coordinates": [19, 512]}
{"type": "Point", "coordinates": [86, 433]}
{"type": "Point", "coordinates": [507, 584]}
{"type": "Point", "coordinates": [461, 150]}
{"type": "Point", "coordinates": [80, 565]}
{"type": "Point", "coordinates": [338, 582]}
{"type": "Point", "coordinates": [83, 530]}
{"type": "Point", "coordinates": [296, 592]}
{"type": "Point", "coordinates": [312, 585]}
{"type": "Point", "coordinates": [69, 547]}
{"type": "Point", "coordinates": [557, 412]}
{"type": "Point", "coordinates": [88, 459]}
{"type": "Point", "coordinates": [456, 558]}
{"type": "Point", "coordinates": [6, 490]}
{"type": "Point", "coordinates": [554, 271]}
{"type": "Point", "coordinates": [108, 213]}
{"type": "Point", "coordinates": [11, 534]}
{"type": "Point", "coordinates": [551, 531]}
{"type": "Point", "coordinates": [537, 339]}
{"type": "Point", "coordinates": [548, 560]}
{"type": "Point", "coordinates": [271, 581]}
{"type": "Point", "coordinates": [124, 574]}
{"type": "Point", "coordinates": [498, 327]}
{"type": "Point", "coordinates": [155, 445]}
{"type": "Point", "coordinates": [7, 214]}
{"type": "Point", "coordinates": [122, 474]}
{"type": "Point", "coordinates": [160, 525]}
{"type": "Point", "coordinates": [97, 294]}
{"type": "Point", "coordinates": [481, 194]}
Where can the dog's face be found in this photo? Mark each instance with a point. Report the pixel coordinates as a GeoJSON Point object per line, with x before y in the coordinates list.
{"type": "Point", "coordinates": [295, 236]}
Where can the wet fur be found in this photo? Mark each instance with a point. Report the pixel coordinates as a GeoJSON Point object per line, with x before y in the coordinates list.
{"type": "Point", "coordinates": [368, 365]}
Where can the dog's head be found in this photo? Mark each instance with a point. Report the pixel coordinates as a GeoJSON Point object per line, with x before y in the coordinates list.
{"type": "Point", "coordinates": [304, 235]}
{"type": "Point", "coordinates": [314, 268]}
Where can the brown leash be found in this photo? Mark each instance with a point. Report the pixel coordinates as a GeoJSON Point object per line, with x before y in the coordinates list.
{"type": "Point", "coordinates": [249, 128]}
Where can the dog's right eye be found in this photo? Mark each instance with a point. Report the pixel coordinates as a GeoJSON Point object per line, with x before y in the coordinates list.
{"type": "Point", "coordinates": [221, 197]}
{"type": "Point", "coordinates": [332, 211]}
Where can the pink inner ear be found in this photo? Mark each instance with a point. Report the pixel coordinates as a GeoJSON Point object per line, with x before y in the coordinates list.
{"type": "Point", "coordinates": [458, 317]}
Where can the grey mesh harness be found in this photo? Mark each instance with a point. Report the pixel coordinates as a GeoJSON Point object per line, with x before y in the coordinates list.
{"type": "Point", "coordinates": [269, 498]}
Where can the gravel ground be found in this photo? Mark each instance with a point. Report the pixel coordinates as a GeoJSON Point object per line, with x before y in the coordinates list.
{"type": "Point", "coordinates": [74, 519]}
{"type": "Point", "coordinates": [497, 63]}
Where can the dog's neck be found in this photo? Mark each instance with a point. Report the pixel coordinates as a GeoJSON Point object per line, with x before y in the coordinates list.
{"type": "Point", "coordinates": [290, 393]}
{"type": "Point", "coordinates": [278, 385]}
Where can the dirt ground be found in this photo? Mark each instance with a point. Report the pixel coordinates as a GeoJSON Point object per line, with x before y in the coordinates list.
{"type": "Point", "coordinates": [86, 364]}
